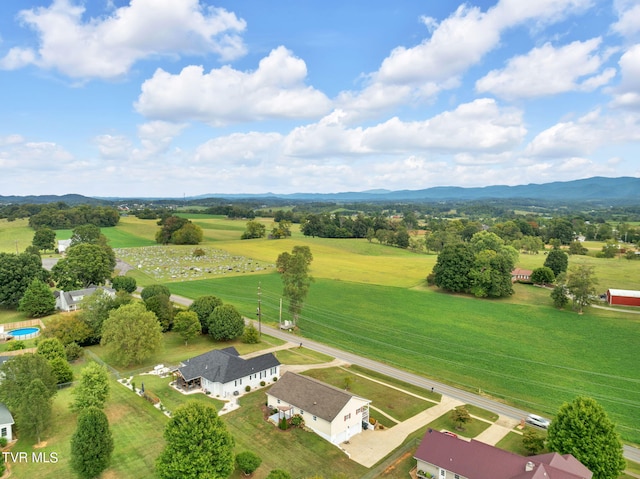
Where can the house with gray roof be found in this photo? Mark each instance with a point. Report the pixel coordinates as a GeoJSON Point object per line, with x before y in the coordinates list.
{"type": "Point", "coordinates": [444, 456]}
{"type": "Point", "coordinates": [223, 373]}
{"type": "Point", "coordinates": [6, 423]}
{"type": "Point", "coordinates": [334, 414]}
{"type": "Point", "coordinates": [70, 300]}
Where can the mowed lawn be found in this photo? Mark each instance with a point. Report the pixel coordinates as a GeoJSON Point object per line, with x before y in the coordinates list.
{"type": "Point", "coordinates": [531, 355]}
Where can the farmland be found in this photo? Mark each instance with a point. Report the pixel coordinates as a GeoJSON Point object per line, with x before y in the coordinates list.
{"type": "Point", "coordinates": [371, 299]}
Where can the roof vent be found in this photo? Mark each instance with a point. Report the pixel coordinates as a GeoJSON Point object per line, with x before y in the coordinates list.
{"type": "Point", "coordinates": [529, 466]}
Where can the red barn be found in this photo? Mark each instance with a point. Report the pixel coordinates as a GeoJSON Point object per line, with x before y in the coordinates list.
{"type": "Point", "coordinates": [624, 297]}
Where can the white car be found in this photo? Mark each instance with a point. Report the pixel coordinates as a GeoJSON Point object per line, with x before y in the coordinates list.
{"type": "Point", "coordinates": [538, 421]}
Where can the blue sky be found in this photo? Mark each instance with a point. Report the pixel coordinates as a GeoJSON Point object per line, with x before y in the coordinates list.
{"type": "Point", "coordinates": [188, 97]}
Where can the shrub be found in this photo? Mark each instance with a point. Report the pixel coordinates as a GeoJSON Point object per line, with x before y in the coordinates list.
{"type": "Point", "coordinates": [248, 462]}
{"type": "Point", "coordinates": [198, 252]}
{"type": "Point", "coordinates": [251, 335]}
{"type": "Point", "coordinates": [275, 379]}
{"type": "Point", "coordinates": [262, 383]}
{"type": "Point", "coordinates": [3, 442]}
{"type": "Point", "coordinates": [73, 351]}
{"type": "Point", "coordinates": [247, 388]}
{"type": "Point", "coordinates": [284, 425]}
{"type": "Point", "coordinates": [152, 398]}
{"type": "Point", "coordinates": [297, 421]}
{"type": "Point", "coordinates": [16, 345]}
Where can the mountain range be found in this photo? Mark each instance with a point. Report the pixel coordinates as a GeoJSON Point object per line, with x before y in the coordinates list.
{"type": "Point", "coordinates": [595, 189]}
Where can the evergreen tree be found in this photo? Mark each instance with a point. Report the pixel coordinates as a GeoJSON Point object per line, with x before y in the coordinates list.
{"type": "Point", "coordinates": [91, 444]}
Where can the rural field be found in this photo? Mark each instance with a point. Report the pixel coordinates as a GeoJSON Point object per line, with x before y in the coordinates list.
{"type": "Point", "coordinates": [372, 300]}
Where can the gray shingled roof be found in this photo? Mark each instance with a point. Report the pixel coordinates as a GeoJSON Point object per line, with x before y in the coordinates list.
{"type": "Point", "coordinates": [483, 461]}
{"type": "Point", "coordinates": [311, 395]}
{"type": "Point", "coordinates": [224, 365]}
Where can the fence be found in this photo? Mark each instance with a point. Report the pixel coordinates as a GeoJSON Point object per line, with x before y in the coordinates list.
{"type": "Point", "coordinates": [23, 324]}
{"type": "Point", "coordinates": [19, 351]}
{"type": "Point", "coordinates": [98, 360]}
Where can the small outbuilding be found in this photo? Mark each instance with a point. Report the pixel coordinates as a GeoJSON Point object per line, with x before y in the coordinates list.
{"type": "Point", "coordinates": [623, 297]}
{"type": "Point", "coordinates": [6, 423]}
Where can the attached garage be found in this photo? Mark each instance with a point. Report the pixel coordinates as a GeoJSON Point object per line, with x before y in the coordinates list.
{"type": "Point", "coordinates": [623, 297]}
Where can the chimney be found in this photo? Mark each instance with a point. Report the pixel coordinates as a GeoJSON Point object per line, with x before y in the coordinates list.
{"type": "Point", "coordinates": [529, 466]}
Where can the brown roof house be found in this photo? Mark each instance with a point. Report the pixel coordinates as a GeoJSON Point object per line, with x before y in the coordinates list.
{"type": "Point", "coordinates": [334, 414]}
{"type": "Point", "coordinates": [520, 274]}
{"type": "Point", "coordinates": [442, 456]}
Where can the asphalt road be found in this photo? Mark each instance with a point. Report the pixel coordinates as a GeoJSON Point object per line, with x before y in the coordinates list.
{"type": "Point", "coordinates": [630, 453]}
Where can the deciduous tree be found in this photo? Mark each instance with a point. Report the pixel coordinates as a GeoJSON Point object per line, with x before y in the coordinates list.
{"type": "Point", "coordinates": [452, 268]}
{"type": "Point", "coordinates": [17, 271]}
{"type": "Point", "coordinates": [33, 414]}
{"type": "Point", "coordinates": [187, 325]}
{"type": "Point", "coordinates": [581, 284]}
{"type": "Point", "coordinates": [162, 307]}
{"type": "Point", "coordinates": [85, 265]}
{"type": "Point", "coordinates": [19, 372]}
{"type": "Point", "coordinates": [248, 462]}
{"type": "Point", "coordinates": [38, 299]}
{"type": "Point", "coordinates": [68, 329]}
{"type": "Point", "coordinates": [131, 334]}
{"type": "Point", "coordinates": [91, 444]}
{"type": "Point", "coordinates": [154, 290]}
{"type": "Point", "coordinates": [583, 429]}
{"type": "Point", "coordinates": [557, 260]}
{"type": "Point", "coordinates": [198, 445]}
{"type": "Point", "coordinates": [532, 441]}
{"type": "Point", "coordinates": [460, 416]}
{"type": "Point", "coordinates": [294, 270]}
{"type": "Point", "coordinates": [124, 283]}
{"type": "Point", "coordinates": [559, 296]}
{"type": "Point", "coordinates": [225, 323]}
{"type": "Point", "coordinates": [542, 275]}
{"type": "Point", "coordinates": [203, 307]}
{"type": "Point", "coordinates": [92, 389]}
{"type": "Point", "coordinates": [254, 229]}
{"type": "Point", "coordinates": [44, 239]}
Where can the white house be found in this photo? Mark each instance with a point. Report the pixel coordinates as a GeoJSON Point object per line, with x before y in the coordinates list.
{"type": "Point", "coordinates": [70, 300]}
{"type": "Point", "coordinates": [222, 372]}
{"type": "Point", "coordinates": [6, 423]}
{"type": "Point", "coordinates": [334, 414]}
{"type": "Point", "coordinates": [63, 245]}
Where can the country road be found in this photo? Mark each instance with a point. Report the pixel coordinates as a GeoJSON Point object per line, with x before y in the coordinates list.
{"type": "Point", "coordinates": [631, 453]}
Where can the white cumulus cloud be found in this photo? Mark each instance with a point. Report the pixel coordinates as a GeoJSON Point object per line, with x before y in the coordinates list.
{"type": "Point", "coordinates": [107, 46]}
{"type": "Point", "coordinates": [225, 95]}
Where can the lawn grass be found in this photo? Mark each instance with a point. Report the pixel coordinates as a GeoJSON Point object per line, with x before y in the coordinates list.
{"type": "Point", "coordinates": [174, 351]}
{"type": "Point", "coordinates": [301, 356]}
{"type": "Point", "coordinates": [15, 235]}
{"type": "Point", "coordinates": [398, 405]}
{"type": "Point", "coordinates": [301, 453]}
{"type": "Point", "coordinates": [531, 355]}
{"type": "Point", "coordinates": [481, 413]}
{"type": "Point", "coordinates": [433, 396]}
{"type": "Point", "coordinates": [471, 429]}
{"type": "Point", "coordinates": [512, 442]}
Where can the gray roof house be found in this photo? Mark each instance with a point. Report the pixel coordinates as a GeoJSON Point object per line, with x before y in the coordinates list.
{"type": "Point", "coordinates": [446, 457]}
{"type": "Point", "coordinates": [332, 413]}
{"type": "Point", "coordinates": [6, 423]}
{"type": "Point", "coordinates": [70, 300]}
{"type": "Point", "coordinates": [222, 372]}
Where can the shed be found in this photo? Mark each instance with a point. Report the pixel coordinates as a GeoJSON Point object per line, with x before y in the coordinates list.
{"type": "Point", "coordinates": [623, 297]}
{"type": "Point", "coordinates": [6, 423]}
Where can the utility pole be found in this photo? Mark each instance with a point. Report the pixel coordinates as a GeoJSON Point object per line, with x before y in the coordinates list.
{"type": "Point", "coordinates": [259, 311]}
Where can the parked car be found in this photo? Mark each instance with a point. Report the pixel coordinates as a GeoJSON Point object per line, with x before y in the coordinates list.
{"type": "Point", "coordinates": [538, 421]}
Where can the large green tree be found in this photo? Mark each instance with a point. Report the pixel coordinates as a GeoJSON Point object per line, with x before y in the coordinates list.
{"type": "Point", "coordinates": [44, 239]}
{"type": "Point", "coordinates": [198, 445]}
{"type": "Point", "coordinates": [18, 372]}
{"type": "Point", "coordinates": [33, 415]}
{"type": "Point", "coordinates": [154, 290]}
{"type": "Point", "coordinates": [124, 283]}
{"type": "Point", "coordinates": [187, 325]}
{"type": "Point", "coordinates": [92, 389]}
{"type": "Point", "coordinates": [86, 264]}
{"type": "Point", "coordinates": [557, 260]}
{"type": "Point", "coordinates": [38, 299]}
{"type": "Point", "coordinates": [583, 429]}
{"type": "Point", "coordinates": [255, 229]}
{"type": "Point", "coordinates": [95, 309]}
{"type": "Point", "coordinates": [91, 444]}
{"type": "Point", "coordinates": [225, 323]}
{"type": "Point", "coordinates": [452, 268]}
{"type": "Point", "coordinates": [68, 329]}
{"type": "Point", "coordinates": [131, 334]}
{"type": "Point", "coordinates": [203, 307]}
{"type": "Point", "coordinates": [162, 307]}
{"type": "Point", "coordinates": [581, 284]}
{"type": "Point", "coordinates": [543, 275]}
{"type": "Point", "coordinates": [294, 270]}
{"type": "Point", "coordinates": [17, 271]}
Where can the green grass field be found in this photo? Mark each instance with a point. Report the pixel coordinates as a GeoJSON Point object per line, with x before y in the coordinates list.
{"type": "Point", "coordinates": [371, 299]}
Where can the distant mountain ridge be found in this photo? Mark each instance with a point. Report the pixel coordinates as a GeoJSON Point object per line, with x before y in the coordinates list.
{"type": "Point", "coordinates": [623, 189]}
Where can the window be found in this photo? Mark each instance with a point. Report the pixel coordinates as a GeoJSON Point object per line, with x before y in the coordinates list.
{"type": "Point", "coordinates": [278, 401]}
{"type": "Point", "coordinates": [4, 432]}
{"type": "Point", "coordinates": [301, 412]}
{"type": "Point", "coordinates": [359, 410]}
{"type": "Point", "coordinates": [315, 418]}
{"type": "Point", "coordinates": [456, 476]}
{"type": "Point", "coordinates": [347, 416]}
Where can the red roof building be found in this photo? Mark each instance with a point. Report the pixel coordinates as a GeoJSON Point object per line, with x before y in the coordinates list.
{"type": "Point", "coordinates": [624, 297]}
{"type": "Point", "coordinates": [442, 456]}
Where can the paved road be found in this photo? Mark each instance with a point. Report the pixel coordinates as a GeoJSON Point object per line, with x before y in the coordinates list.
{"type": "Point", "coordinates": [631, 453]}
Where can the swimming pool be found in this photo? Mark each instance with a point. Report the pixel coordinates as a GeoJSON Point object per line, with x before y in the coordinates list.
{"type": "Point", "coordinates": [24, 333]}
